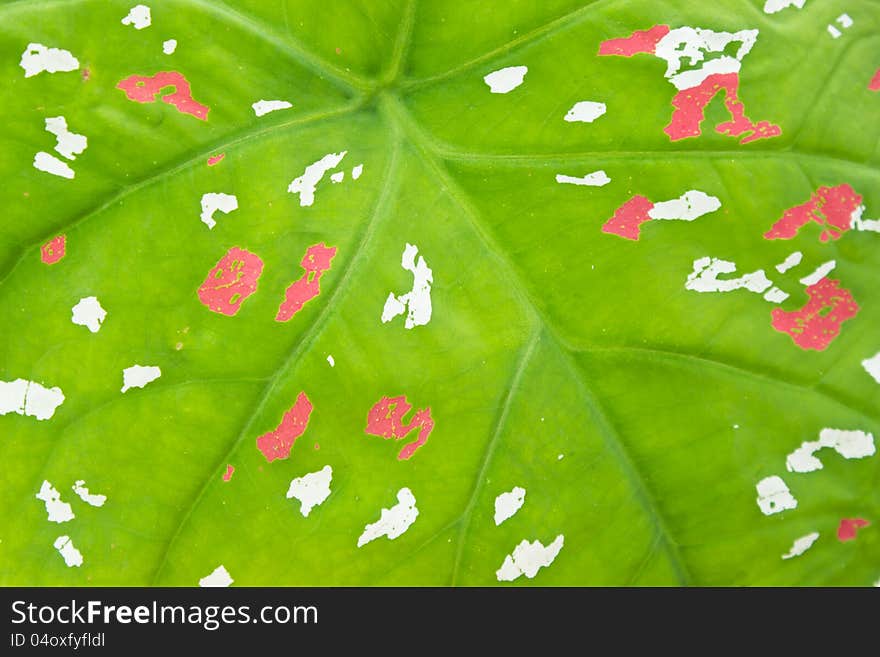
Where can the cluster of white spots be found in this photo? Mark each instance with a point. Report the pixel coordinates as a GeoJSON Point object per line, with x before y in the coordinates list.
{"type": "Point", "coordinates": [218, 578]}
{"type": "Point", "coordinates": [37, 58]}
{"type": "Point", "coordinates": [72, 556]}
{"type": "Point", "coordinates": [506, 79]}
{"type": "Point", "coordinates": [331, 360]}
{"type": "Point", "coordinates": [872, 366]}
{"type": "Point", "coordinates": [262, 107]}
{"type": "Point", "coordinates": [169, 46]}
{"type": "Point", "coordinates": [29, 398]}
{"type": "Point", "coordinates": [595, 179]}
{"type": "Point", "coordinates": [507, 504]}
{"type": "Point", "coordinates": [69, 144]}
{"type": "Point", "coordinates": [417, 300]}
{"type": "Point", "coordinates": [773, 6]}
{"type": "Point", "coordinates": [705, 277]}
{"type": "Point", "coordinates": [50, 164]}
{"type": "Point", "coordinates": [821, 272]}
{"type": "Point", "coordinates": [801, 545]}
{"type": "Point", "coordinates": [793, 260]}
{"type": "Point", "coordinates": [89, 498]}
{"type": "Point", "coordinates": [138, 17]}
{"type": "Point", "coordinates": [305, 184]}
{"type": "Point", "coordinates": [870, 225]}
{"type": "Point", "coordinates": [528, 558]}
{"type": "Point", "coordinates": [394, 521]}
{"type": "Point", "coordinates": [311, 489]}
{"type": "Point", "coordinates": [137, 376]}
{"type": "Point", "coordinates": [89, 313]}
{"type": "Point", "coordinates": [214, 201]}
{"type": "Point", "coordinates": [844, 21]}
{"type": "Point", "coordinates": [57, 510]}
{"type": "Point", "coordinates": [691, 205]}
{"type": "Point", "coordinates": [356, 171]}
{"type": "Point", "coordinates": [849, 444]}
{"type": "Point", "coordinates": [774, 496]}
{"type": "Point", "coordinates": [585, 111]}
{"type": "Point", "coordinates": [685, 47]}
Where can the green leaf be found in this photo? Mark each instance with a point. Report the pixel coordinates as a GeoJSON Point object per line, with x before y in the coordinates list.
{"type": "Point", "coordinates": [638, 415]}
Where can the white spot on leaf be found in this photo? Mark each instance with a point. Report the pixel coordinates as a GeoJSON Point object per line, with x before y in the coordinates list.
{"type": "Point", "coordinates": [505, 80]}
{"type": "Point", "coordinates": [89, 313]}
{"type": "Point", "coordinates": [774, 496]}
{"type": "Point", "coordinates": [218, 578]}
{"type": "Point", "coordinates": [214, 201]}
{"type": "Point", "coordinates": [821, 272]}
{"type": "Point", "coordinates": [801, 545]}
{"type": "Point", "coordinates": [418, 300]}
{"type": "Point", "coordinates": [872, 366]}
{"type": "Point", "coordinates": [773, 6]}
{"type": "Point", "coordinates": [356, 171]}
{"type": "Point", "coordinates": [137, 376]}
{"type": "Point", "coordinates": [262, 107]}
{"type": "Point", "coordinates": [29, 398]}
{"type": "Point", "coordinates": [312, 489]}
{"type": "Point", "coordinates": [595, 179]}
{"type": "Point", "coordinates": [89, 498]}
{"type": "Point", "coordinates": [337, 177]}
{"type": "Point", "coordinates": [69, 144]}
{"type": "Point", "coordinates": [65, 547]}
{"type": "Point", "coordinates": [394, 521]}
{"type": "Point", "coordinates": [57, 510]}
{"type": "Point", "coordinates": [50, 164]}
{"type": "Point", "coordinates": [528, 558]}
{"type": "Point", "coordinates": [138, 17]}
{"type": "Point", "coordinates": [585, 111]}
{"type": "Point", "coordinates": [331, 360]}
{"type": "Point", "coordinates": [793, 260]}
{"type": "Point", "coordinates": [849, 444]}
{"type": "Point", "coordinates": [775, 295]}
{"type": "Point", "coordinates": [305, 185]}
{"type": "Point", "coordinates": [685, 47]}
{"type": "Point", "coordinates": [37, 58]}
{"type": "Point", "coordinates": [168, 47]}
{"type": "Point", "coordinates": [507, 504]}
{"type": "Point", "coordinates": [705, 277]}
{"type": "Point", "coordinates": [687, 207]}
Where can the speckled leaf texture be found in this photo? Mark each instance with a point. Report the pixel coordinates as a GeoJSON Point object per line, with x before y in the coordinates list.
{"type": "Point", "coordinates": [637, 414]}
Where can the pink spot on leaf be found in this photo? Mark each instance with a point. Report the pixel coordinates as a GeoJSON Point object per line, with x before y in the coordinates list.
{"type": "Point", "coordinates": [144, 89]}
{"type": "Point", "coordinates": [228, 474]}
{"type": "Point", "coordinates": [53, 250]}
{"type": "Point", "coordinates": [278, 443]}
{"type": "Point", "coordinates": [316, 261]}
{"type": "Point", "coordinates": [385, 419]}
{"type": "Point", "coordinates": [849, 527]}
{"type": "Point", "coordinates": [231, 281]}
{"type": "Point", "coordinates": [830, 207]}
{"type": "Point", "coordinates": [874, 84]}
{"type": "Point", "coordinates": [214, 159]}
{"type": "Point", "coordinates": [629, 217]}
{"type": "Point", "coordinates": [641, 41]}
{"type": "Point", "coordinates": [690, 105]}
{"type": "Point", "coordinates": [817, 324]}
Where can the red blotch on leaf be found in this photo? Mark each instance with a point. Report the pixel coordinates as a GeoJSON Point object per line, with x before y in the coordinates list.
{"type": "Point", "coordinates": [278, 443]}
{"type": "Point", "coordinates": [214, 159]}
{"type": "Point", "coordinates": [831, 207]}
{"type": "Point", "coordinates": [628, 218]}
{"type": "Point", "coordinates": [690, 107]}
{"type": "Point", "coordinates": [817, 324]}
{"type": "Point", "coordinates": [874, 84]}
{"type": "Point", "coordinates": [228, 474]}
{"type": "Point", "coordinates": [848, 528]}
{"type": "Point", "coordinates": [144, 89]}
{"type": "Point", "coordinates": [641, 41]}
{"type": "Point", "coordinates": [53, 250]}
{"type": "Point", "coordinates": [316, 261]}
{"type": "Point", "coordinates": [385, 419]}
{"type": "Point", "coordinates": [231, 281]}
